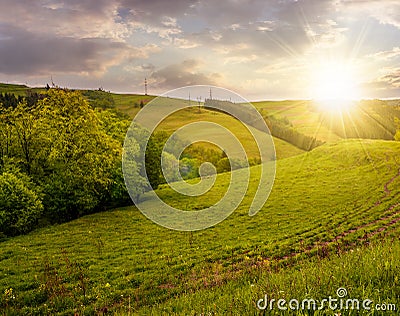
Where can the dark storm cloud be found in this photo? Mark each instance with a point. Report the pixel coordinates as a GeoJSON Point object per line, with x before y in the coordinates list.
{"type": "Point", "coordinates": [22, 52]}
{"type": "Point", "coordinates": [183, 74]}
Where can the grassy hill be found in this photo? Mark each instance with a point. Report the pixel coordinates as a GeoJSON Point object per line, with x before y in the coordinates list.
{"type": "Point", "coordinates": [332, 220]}
{"type": "Point", "coordinates": [324, 203]}
{"type": "Point", "coordinates": [17, 89]}
{"type": "Point", "coordinates": [300, 114]}
{"type": "Point", "coordinates": [183, 117]}
{"type": "Point", "coordinates": [364, 119]}
{"type": "Point", "coordinates": [130, 105]}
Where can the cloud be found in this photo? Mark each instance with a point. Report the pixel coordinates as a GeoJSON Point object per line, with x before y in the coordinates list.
{"type": "Point", "coordinates": [386, 55]}
{"type": "Point", "coordinates": [157, 8]}
{"type": "Point", "coordinates": [26, 53]}
{"type": "Point", "coordinates": [385, 11]}
{"type": "Point", "coordinates": [392, 78]}
{"type": "Point", "coordinates": [267, 28]}
{"type": "Point", "coordinates": [385, 86]}
{"type": "Point", "coordinates": [182, 74]}
{"type": "Point", "coordinates": [252, 42]}
{"type": "Point", "coordinates": [72, 18]}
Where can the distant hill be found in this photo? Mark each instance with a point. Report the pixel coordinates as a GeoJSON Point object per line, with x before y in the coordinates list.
{"type": "Point", "coordinates": [297, 123]}
{"type": "Point", "coordinates": [369, 119]}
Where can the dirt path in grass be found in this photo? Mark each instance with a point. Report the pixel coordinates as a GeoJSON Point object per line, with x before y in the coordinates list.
{"type": "Point", "coordinates": [324, 248]}
{"type": "Point", "coordinates": [387, 191]}
{"type": "Point", "coordinates": [392, 212]}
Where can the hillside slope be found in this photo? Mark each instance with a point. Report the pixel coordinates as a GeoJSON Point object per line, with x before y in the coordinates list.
{"type": "Point", "coordinates": [335, 197]}
{"type": "Point", "coordinates": [130, 104]}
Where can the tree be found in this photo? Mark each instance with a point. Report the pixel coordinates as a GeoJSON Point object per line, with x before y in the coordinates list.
{"type": "Point", "coordinates": [22, 121]}
{"type": "Point", "coordinates": [189, 168]}
{"type": "Point", "coordinates": [171, 167]}
{"type": "Point", "coordinates": [397, 135]}
{"type": "Point", "coordinates": [77, 159]}
{"type": "Point", "coordinates": [223, 165]}
{"type": "Point", "coordinates": [153, 158]}
{"type": "Point", "coordinates": [71, 151]}
{"type": "Point", "coordinates": [20, 204]}
{"type": "Point", "coordinates": [135, 181]}
{"type": "Point", "coordinates": [99, 98]}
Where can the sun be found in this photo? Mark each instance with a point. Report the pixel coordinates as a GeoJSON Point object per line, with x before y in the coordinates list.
{"type": "Point", "coordinates": [334, 85]}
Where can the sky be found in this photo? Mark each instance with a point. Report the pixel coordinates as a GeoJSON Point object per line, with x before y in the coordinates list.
{"type": "Point", "coordinates": [260, 49]}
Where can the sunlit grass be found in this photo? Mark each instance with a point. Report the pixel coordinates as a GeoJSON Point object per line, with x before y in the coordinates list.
{"type": "Point", "coordinates": [317, 196]}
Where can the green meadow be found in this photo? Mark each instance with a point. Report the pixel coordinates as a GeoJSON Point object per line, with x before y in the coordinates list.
{"type": "Point", "coordinates": [308, 240]}
{"type": "Point", "coordinates": [332, 221]}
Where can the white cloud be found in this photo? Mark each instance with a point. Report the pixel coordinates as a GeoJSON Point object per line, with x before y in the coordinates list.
{"type": "Point", "coordinates": [386, 55]}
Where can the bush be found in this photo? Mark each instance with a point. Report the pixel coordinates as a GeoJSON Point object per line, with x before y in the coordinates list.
{"type": "Point", "coordinates": [20, 205]}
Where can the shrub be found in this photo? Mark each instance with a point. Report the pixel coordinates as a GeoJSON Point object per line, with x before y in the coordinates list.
{"type": "Point", "coordinates": [20, 205]}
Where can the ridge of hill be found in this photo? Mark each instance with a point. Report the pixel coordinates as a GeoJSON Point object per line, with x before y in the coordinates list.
{"type": "Point", "coordinates": [130, 104]}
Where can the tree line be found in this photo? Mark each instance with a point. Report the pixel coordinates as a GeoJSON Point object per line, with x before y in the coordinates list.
{"type": "Point", "coordinates": [279, 127]}
{"type": "Point", "coordinates": [60, 158]}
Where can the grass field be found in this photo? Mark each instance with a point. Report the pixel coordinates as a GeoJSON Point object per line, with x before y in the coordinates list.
{"type": "Point", "coordinates": [17, 89]}
{"type": "Point", "coordinates": [130, 105]}
{"type": "Point", "coordinates": [332, 221]}
{"type": "Point", "coordinates": [187, 116]}
{"type": "Point", "coordinates": [120, 261]}
{"type": "Point", "coordinates": [300, 114]}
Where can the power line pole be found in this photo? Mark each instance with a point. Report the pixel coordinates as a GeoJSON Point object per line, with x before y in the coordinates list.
{"type": "Point", "coordinates": [145, 86]}
{"type": "Point", "coordinates": [199, 101]}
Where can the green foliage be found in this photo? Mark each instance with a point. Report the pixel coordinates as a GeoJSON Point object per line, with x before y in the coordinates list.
{"type": "Point", "coordinates": [134, 173]}
{"type": "Point", "coordinates": [223, 165]}
{"type": "Point", "coordinates": [78, 158]}
{"type": "Point", "coordinates": [313, 235]}
{"type": "Point", "coordinates": [397, 135]}
{"type": "Point", "coordinates": [99, 99]}
{"type": "Point", "coordinates": [196, 151]}
{"type": "Point", "coordinates": [153, 158]}
{"type": "Point", "coordinates": [171, 167]}
{"type": "Point", "coordinates": [70, 150]}
{"type": "Point", "coordinates": [113, 123]}
{"type": "Point", "coordinates": [189, 167]}
{"type": "Point", "coordinates": [20, 204]}
{"type": "Point", "coordinates": [10, 100]}
{"type": "Point", "coordinates": [283, 129]}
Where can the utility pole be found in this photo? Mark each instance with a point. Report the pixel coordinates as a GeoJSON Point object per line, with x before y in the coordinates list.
{"type": "Point", "coordinates": [145, 86]}
{"type": "Point", "coordinates": [210, 94]}
{"type": "Point", "coordinates": [199, 101]}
